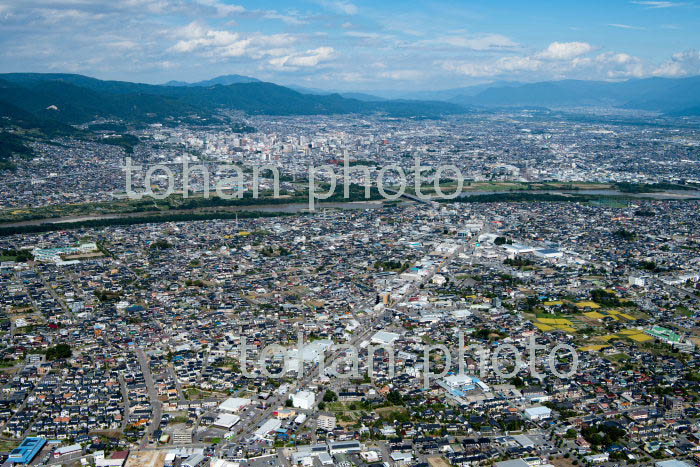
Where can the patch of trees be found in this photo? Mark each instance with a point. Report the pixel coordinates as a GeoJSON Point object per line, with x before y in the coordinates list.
{"type": "Point", "coordinates": [12, 145]}
{"type": "Point", "coordinates": [395, 398]}
{"type": "Point", "coordinates": [154, 219]}
{"type": "Point", "coordinates": [194, 283]}
{"type": "Point", "coordinates": [486, 333]}
{"type": "Point", "coordinates": [603, 297]}
{"type": "Point", "coordinates": [391, 265]}
{"type": "Point", "coordinates": [518, 262]}
{"type": "Point", "coordinates": [330, 396]}
{"type": "Point", "coordinates": [626, 187]}
{"type": "Point", "coordinates": [625, 235]}
{"type": "Point", "coordinates": [603, 434]}
{"type": "Point", "coordinates": [270, 251]}
{"type": "Point", "coordinates": [20, 256]}
{"type": "Point", "coordinates": [126, 141]}
{"type": "Point", "coordinates": [161, 244]}
{"type": "Point", "coordinates": [59, 352]}
{"type": "Point", "coordinates": [107, 295]}
{"type": "Point", "coordinates": [518, 197]}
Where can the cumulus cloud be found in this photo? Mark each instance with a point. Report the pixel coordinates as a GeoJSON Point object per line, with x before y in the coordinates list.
{"type": "Point", "coordinates": [565, 50]}
{"type": "Point", "coordinates": [495, 68]}
{"type": "Point", "coordinates": [197, 37]}
{"type": "Point", "coordinates": [614, 65]}
{"type": "Point", "coordinates": [309, 58]}
{"type": "Point", "coordinates": [608, 65]}
{"type": "Point", "coordinates": [681, 64]}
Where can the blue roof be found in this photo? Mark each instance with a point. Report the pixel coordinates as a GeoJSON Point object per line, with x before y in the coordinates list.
{"type": "Point", "coordinates": [25, 452]}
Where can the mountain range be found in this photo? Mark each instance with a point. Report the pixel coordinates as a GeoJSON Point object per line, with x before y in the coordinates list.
{"type": "Point", "coordinates": [224, 80]}
{"type": "Point", "coordinates": [671, 96]}
{"type": "Point", "coordinates": [76, 99]}
{"type": "Point", "coordinates": [54, 101]}
{"type": "Point", "coordinates": [679, 96]}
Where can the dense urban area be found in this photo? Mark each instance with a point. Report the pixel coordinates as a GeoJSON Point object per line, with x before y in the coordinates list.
{"type": "Point", "coordinates": [546, 315]}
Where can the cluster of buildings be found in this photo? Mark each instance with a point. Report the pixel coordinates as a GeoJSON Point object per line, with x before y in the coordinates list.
{"type": "Point", "coordinates": [396, 333]}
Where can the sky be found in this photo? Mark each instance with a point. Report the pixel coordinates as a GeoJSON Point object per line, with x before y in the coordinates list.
{"type": "Point", "coordinates": [352, 45]}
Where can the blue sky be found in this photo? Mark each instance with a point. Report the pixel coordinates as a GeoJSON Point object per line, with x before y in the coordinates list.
{"type": "Point", "coordinates": [352, 44]}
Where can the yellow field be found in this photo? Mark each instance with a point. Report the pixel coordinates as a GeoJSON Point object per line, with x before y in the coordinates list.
{"type": "Point", "coordinates": [593, 347]}
{"type": "Point", "coordinates": [634, 334]}
{"type": "Point", "coordinates": [554, 324]}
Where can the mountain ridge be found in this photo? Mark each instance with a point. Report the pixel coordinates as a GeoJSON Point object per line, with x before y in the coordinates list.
{"type": "Point", "coordinates": [80, 99]}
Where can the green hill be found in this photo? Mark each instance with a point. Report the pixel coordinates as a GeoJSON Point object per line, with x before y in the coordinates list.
{"type": "Point", "coordinates": [73, 99]}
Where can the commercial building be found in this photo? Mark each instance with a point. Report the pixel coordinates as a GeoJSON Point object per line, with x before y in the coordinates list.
{"type": "Point", "coordinates": [25, 452]}
{"type": "Point", "coordinates": [345, 447]}
{"type": "Point", "coordinates": [537, 413]}
{"type": "Point", "coordinates": [195, 460]}
{"type": "Point", "coordinates": [226, 421]}
{"type": "Point", "coordinates": [303, 400]}
{"type": "Point", "coordinates": [67, 450]}
{"type": "Point", "coordinates": [234, 404]}
{"type": "Point", "coordinates": [266, 428]}
{"type": "Point", "coordinates": [385, 338]}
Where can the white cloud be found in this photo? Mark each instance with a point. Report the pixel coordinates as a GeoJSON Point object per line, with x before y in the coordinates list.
{"type": "Point", "coordinates": [565, 50]}
{"type": "Point", "coordinates": [482, 42]}
{"type": "Point", "coordinates": [403, 75]}
{"type": "Point", "coordinates": [340, 6]}
{"type": "Point", "coordinates": [495, 68]}
{"type": "Point", "coordinates": [196, 37]}
{"type": "Point", "coordinates": [681, 64]}
{"type": "Point", "coordinates": [289, 19]}
{"type": "Point", "coordinates": [608, 65]}
{"type": "Point", "coordinates": [650, 4]}
{"type": "Point", "coordinates": [310, 58]}
{"type": "Point", "coordinates": [222, 9]}
{"type": "Point", "coordinates": [625, 26]}
{"type": "Point", "coordinates": [613, 65]}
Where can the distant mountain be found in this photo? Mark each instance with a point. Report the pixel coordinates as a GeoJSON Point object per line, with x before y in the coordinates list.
{"type": "Point", "coordinates": [443, 94]}
{"type": "Point", "coordinates": [360, 96]}
{"type": "Point", "coordinates": [74, 99]}
{"type": "Point", "coordinates": [223, 80]}
{"type": "Point", "coordinates": [665, 95]}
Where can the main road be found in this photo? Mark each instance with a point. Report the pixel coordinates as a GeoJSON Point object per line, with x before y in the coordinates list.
{"type": "Point", "coordinates": [152, 395]}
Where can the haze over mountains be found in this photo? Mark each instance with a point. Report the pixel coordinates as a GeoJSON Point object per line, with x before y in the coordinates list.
{"type": "Point", "coordinates": [74, 99]}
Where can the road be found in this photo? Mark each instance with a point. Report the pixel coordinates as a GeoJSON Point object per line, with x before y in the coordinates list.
{"type": "Point", "coordinates": [125, 396]}
{"type": "Point", "coordinates": [153, 396]}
